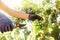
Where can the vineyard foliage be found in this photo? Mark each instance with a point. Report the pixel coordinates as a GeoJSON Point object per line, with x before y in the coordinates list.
{"type": "Point", "coordinates": [46, 29]}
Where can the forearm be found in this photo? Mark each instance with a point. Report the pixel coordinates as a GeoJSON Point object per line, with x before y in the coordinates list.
{"type": "Point", "coordinates": [13, 13]}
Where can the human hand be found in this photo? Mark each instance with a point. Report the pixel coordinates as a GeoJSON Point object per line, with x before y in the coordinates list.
{"type": "Point", "coordinates": [34, 16]}
{"type": "Point", "coordinates": [5, 23]}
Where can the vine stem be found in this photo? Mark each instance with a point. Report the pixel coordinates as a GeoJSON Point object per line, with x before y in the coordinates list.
{"type": "Point", "coordinates": [56, 18]}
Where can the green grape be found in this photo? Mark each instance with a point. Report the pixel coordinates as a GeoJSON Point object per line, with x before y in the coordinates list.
{"type": "Point", "coordinates": [51, 38]}
{"type": "Point", "coordinates": [17, 38]}
{"type": "Point", "coordinates": [37, 26]}
{"type": "Point", "coordinates": [58, 4]}
{"type": "Point", "coordinates": [16, 32]}
{"type": "Point", "coordinates": [7, 35]}
{"type": "Point", "coordinates": [1, 35]}
{"type": "Point", "coordinates": [3, 38]}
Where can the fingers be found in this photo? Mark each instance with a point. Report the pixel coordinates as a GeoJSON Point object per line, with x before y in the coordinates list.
{"type": "Point", "coordinates": [11, 27]}
{"type": "Point", "coordinates": [6, 28]}
{"type": "Point", "coordinates": [39, 18]}
{"type": "Point", "coordinates": [2, 30]}
{"type": "Point", "coordinates": [34, 16]}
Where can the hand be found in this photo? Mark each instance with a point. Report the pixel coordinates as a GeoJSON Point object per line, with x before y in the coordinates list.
{"type": "Point", "coordinates": [34, 16]}
{"type": "Point", "coordinates": [5, 24]}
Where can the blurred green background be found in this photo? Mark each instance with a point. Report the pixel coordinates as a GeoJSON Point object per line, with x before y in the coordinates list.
{"type": "Point", "coordinates": [47, 29]}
